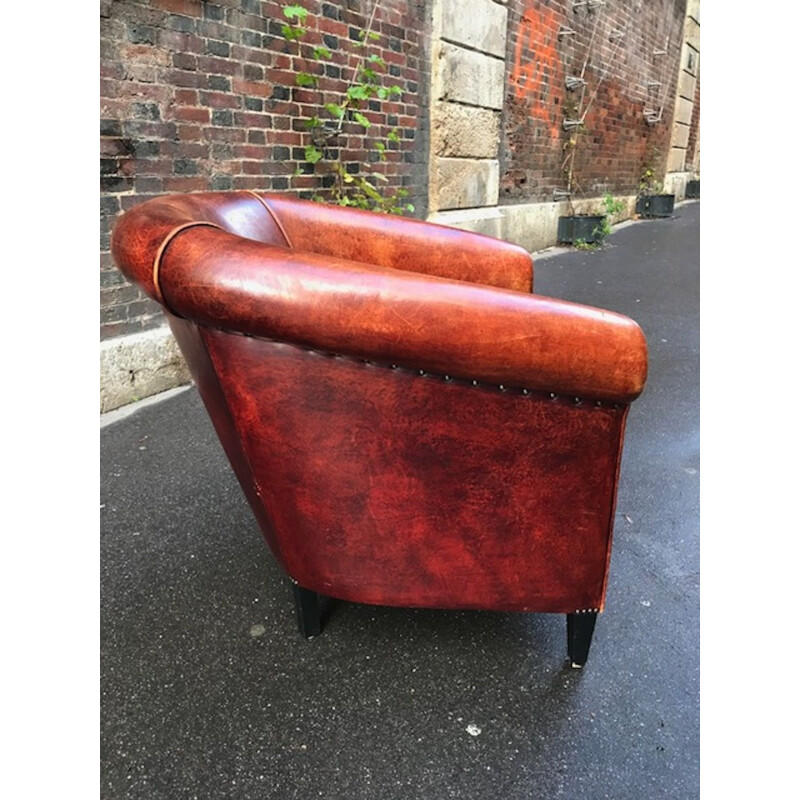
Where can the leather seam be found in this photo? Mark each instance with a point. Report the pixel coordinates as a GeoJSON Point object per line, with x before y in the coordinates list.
{"type": "Point", "coordinates": [160, 254]}
{"type": "Point", "coordinates": [273, 215]}
{"type": "Point", "coordinates": [584, 403]}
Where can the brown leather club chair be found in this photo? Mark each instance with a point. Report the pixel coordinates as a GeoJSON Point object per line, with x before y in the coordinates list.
{"type": "Point", "coordinates": [411, 426]}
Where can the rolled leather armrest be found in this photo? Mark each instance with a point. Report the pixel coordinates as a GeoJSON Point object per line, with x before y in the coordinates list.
{"type": "Point", "coordinates": [401, 243]}
{"type": "Point", "coordinates": [402, 317]}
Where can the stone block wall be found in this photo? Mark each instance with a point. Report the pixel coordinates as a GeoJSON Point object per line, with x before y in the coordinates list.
{"type": "Point", "coordinates": [468, 52]}
{"type": "Point", "coordinates": [685, 123]}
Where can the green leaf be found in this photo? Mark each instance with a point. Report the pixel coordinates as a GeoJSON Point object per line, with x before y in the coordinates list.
{"type": "Point", "coordinates": [380, 146]}
{"type": "Point", "coordinates": [374, 36]}
{"type": "Point", "coordinates": [295, 12]}
{"type": "Point", "coordinates": [322, 52]}
{"type": "Point", "coordinates": [382, 93]}
{"type": "Point", "coordinates": [374, 59]}
{"type": "Point", "coordinates": [292, 34]}
{"type": "Point", "coordinates": [361, 119]}
{"type": "Point", "coordinates": [393, 137]}
{"type": "Point", "coordinates": [410, 207]}
{"type": "Point", "coordinates": [368, 74]}
{"type": "Point", "coordinates": [313, 122]}
{"type": "Point", "coordinates": [334, 110]}
{"type": "Point", "coordinates": [304, 79]}
{"type": "Point", "coordinates": [380, 176]}
{"type": "Point", "coordinates": [395, 90]}
{"type": "Point", "coordinates": [370, 190]}
{"type": "Point", "coordinates": [313, 154]}
{"type": "Point", "coordinates": [358, 92]}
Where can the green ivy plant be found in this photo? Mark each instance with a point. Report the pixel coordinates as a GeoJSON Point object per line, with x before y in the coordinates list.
{"type": "Point", "coordinates": [357, 190]}
{"type": "Point", "coordinates": [648, 183]}
{"type": "Point", "coordinates": [610, 207]}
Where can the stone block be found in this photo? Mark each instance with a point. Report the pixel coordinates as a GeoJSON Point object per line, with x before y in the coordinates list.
{"type": "Point", "coordinates": [464, 131]}
{"type": "Point", "coordinates": [686, 84]}
{"type": "Point", "coordinates": [137, 366]}
{"type": "Point", "coordinates": [468, 77]}
{"type": "Point", "coordinates": [675, 183]}
{"type": "Point", "coordinates": [676, 159]}
{"type": "Point", "coordinates": [683, 111]}
{"type": "Point", "coordinates": [680, 135]}
{"type": "Point", "coordinates": [488, 221]}
{"type": "Point", "coordinates": [481, 25]}
{"type": "Point", "coordinates": [464, 183]}
{"type": "Point", "coordinates": [692, 33]}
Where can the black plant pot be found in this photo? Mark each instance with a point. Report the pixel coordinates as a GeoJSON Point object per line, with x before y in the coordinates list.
{"type": "Point", "coordinates": [655, 205]}
{"type": "Point", "coordinates": [581, 227]}
{"type": "Point", "coordinates": [693, 189]}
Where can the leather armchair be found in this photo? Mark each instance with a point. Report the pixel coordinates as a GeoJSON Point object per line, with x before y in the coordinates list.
{"type": "Point", "coordinates": [410, 425]}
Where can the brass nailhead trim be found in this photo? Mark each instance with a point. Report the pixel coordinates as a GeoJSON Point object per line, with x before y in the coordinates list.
{"type": "Point", "coordinates": [425, 373]}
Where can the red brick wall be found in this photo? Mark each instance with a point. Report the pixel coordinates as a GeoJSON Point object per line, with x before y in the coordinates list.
{"type": "Point", "coordinates": [612, 154]}
{"type": "Point", "coordinates": [200, 95]}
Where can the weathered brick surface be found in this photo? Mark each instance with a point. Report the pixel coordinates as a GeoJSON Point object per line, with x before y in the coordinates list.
{"type": "Point", "coordinates": [200, 95]}
{"type": "Point", "coordinates": [611, 155]}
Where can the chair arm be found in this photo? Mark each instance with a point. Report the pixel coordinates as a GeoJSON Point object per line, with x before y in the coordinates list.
{"type": "Point", "coordinates": [422, 322]}
{"type": "Point", "coordinates": [401, 243]}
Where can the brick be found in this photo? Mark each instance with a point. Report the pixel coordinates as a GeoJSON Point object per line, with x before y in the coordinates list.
{"type": "Point", "coordinates": [215, 48]}
{"type": "Point", "coordinates": [184, 166]}
{"type": "Point", "coordinates": [188, 7]}
{"type": "Point", "coordinates": [219, 83]}
{"type": "Point", "coordinates": [141, 34]}
{"type": "Point", "coordinates": [215, 13]}
{"type": "Point", "coordinates": [221, 117]}
{"type": "Point", "coordinates": [220, 182]}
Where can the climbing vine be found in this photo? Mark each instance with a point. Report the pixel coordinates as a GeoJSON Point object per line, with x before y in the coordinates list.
{"type": "Point", "coordinates": [345, 114]}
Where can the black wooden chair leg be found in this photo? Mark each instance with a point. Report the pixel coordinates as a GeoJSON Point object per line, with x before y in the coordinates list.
{"type": "Point", "coordinates": [307, 604]}
{"type": "Point", "coordinates": [580, 627]}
